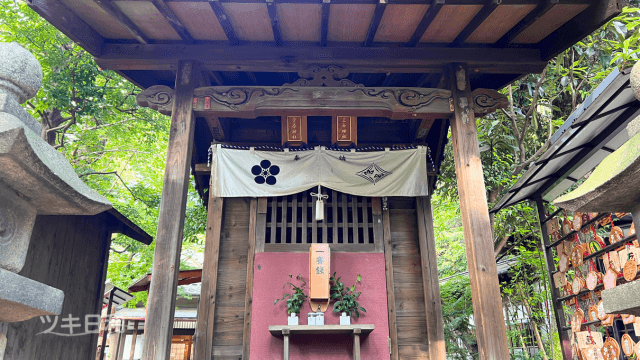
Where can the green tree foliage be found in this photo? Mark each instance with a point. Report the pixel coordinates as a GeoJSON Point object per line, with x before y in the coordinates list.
{"type": "Point", "coordinates": [117, 148]}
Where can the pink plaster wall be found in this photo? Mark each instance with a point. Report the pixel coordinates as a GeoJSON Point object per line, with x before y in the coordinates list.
{"type": "Point", "coordinates": [272, 271]}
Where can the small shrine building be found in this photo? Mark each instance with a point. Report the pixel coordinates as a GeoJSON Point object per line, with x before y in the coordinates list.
{"type": "Point", "coordinates": [272, 100]}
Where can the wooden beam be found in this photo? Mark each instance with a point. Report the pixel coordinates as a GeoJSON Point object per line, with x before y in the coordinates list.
{"type": "Point", "coordinates": [173, 20]}
{"type": "Point", "coordinates": [248, 296]}
{"type": "Point", "coordinates": [261, 224]}
{"type": "Point", "coordinates": [70, 24]}
{"type": "Point", "coordinates": [427, 19]}
{"type": "Point", "coordinates": [375, 22]}
{"type": "Point", "coordinates": [429, 263]}
{"type": "Point", "coordinates": [260, 58]}
{"type": "Point", "coordinates": [223, 18]}
{"type": "Point", "coordinates": [483, 273]}
{"type": "Point", "coordinates": [250, 102]}
{"type": "Point", "coordinates": [215, 127]}
{"type": "Point", "coordinates": [203, 342]}
{"type": "Point", "coordinates": [275, 23]}
{"type": "Point", "coordinates": [477, 20]}
{"type": "Point", "coordinates": [391, 297]}
{"type": "Point", "coordinates": [123, 20]}
{"type": "Point", "coordinates": [324, 28]}
{"type": "Point", "coordinates": [166, 260]}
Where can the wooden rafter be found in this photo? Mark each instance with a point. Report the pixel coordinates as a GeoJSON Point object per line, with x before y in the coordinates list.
{"type": "Point", "coordinates": [324, 28]}
{"type": "Point", "coordinates": [427, 19]}
{"type": "Point", "coordinates": [275, 23]}
{"type": "Point", "coordinates": [114, 11]}
{"type": "Point", "coordinates": [56, 13]}
{"type": "Point", "coordinates": [375, 22]}
{"type": "Point", "coordinates": [477, 20]}
{"type": "Point", "coordinates": [173, 20]}
{"type": "Point", "coordinates": [528, 20]}
{"type": "Point", "coordinates": [223, 18]}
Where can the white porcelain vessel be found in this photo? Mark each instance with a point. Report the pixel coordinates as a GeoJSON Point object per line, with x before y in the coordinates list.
{"type": "Point", "coordinates": [345, 319]}
{"type": "Point", "coordinates": [293, 319]}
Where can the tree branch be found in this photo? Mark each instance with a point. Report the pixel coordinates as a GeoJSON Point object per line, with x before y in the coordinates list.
{"type": "Point", "coordinates": [121, 180]}
{"type": "Point", "coordinates": [121, 251]}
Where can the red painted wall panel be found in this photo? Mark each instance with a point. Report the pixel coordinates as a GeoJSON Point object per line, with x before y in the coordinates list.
{"type": "Point", "coordinates": [272, 271]}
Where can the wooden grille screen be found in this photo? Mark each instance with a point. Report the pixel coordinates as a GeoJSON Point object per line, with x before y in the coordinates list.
{"type": "Point", "coordinates": [348, 221]}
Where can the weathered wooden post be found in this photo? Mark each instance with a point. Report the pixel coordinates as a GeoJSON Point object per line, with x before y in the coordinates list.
{"type": "Point", "coordinates": [166, 260]}
{"type": "Point", "coordinates": [483, 273]}
{"type": "Point", "coordinates": [426, 239]}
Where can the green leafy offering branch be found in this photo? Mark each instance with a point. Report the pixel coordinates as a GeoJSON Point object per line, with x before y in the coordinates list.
{"type": "Point", "coordinates": [296, 298]}
{"type": "Point", "coordinates": [346, 298]}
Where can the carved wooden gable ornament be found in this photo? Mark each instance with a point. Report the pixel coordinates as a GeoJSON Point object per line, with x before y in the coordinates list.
{"type": "Point", "coordinates": [318, 92]}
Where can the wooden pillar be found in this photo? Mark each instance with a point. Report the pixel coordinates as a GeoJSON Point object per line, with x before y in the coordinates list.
{"type": "Point", "coordinates": [166, 259]}
{"type": "Point", "coordinates": [478, 238]}
{"type": "Point", "coordinates": [134, 338]}
{"type": "Point", "coordinates": [104, 325]}
{"type": "Point", "coordinates": [207, 305]}
{"type": "Point", "coordinates": [565, 343]}
{"type": "Point", "coordinates": [248, 296]}
{"type": "Point", "coordinates": [122, 336]}
{"type": "Point", "coordinates": [356, 343]}
{"type": "Point", "coordinates": [388, 267]}
{"type": "Point", "coordinates": [426, 240]}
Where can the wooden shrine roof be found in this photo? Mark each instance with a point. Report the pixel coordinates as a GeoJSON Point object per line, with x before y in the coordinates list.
{"type": "Point", "coordinates": [381, 42]}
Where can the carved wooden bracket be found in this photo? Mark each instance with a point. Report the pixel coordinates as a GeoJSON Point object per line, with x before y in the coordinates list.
{"type": "Point", "coordinates": [250, 102]}
{"type": "Point", "coordinates": [486, 101]}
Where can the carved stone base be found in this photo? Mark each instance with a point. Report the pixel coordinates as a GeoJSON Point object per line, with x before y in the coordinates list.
{"type": "Point", "coordinates": [23, 299]}
{"type": "Point", "coordinates": [17, 218]}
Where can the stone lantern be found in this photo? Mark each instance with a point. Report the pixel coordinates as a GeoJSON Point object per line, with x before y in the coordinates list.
{"type": "Point", "coordinates": [35, 179]}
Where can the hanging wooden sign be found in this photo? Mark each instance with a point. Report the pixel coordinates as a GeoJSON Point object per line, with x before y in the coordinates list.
{"type": "Point", "coordinates": [605, 221]}
{"type": "Point", "coordinates": [627, 345]}
{"type": "Point", "coordinates": [593, 279]}
{"type": "Point", "coordinates": [627, 319]}
{"type": "Point", "coordinates": [576, 320]}
{"type": "Point", "coordinates": [610, 279]}
{"type": "Point", "coordinates": [611, 260]}
{"type": "Point", "coordinates": [560, 248]}
{"type": "Point", "coordinates": [630, 270]}
{"type": "Point", "coordinates": [592, 216]}
{"type": "Point", "coordinates": [560, 279]}
{"type": "Point", "coordinates": [593, 313]}
{"type": "Point", "coordinates": [319, 273]}
{"type": "Point", "coordinates": [585, 229]}
{"type": "Point", "coordinates": [553, 229]}
{"type": "Point", "coordinates": [294, 130]}
{"type": "Point", "coordinates": [601, 314]}
{"type": "Point", "coordinates": [591, 352]}
{"type": "Point", "coordinates": [586, 338]}
{"type": "Point", "coordinates": [566, 227]}
{"type": "Point", "coordinates": [616, 235]}
{"type": "Point", "coordinates": [636, 325]}
{"type": "Point", "coordinates": [568, 246]}
{"type": "Point", "coordinates": [632, 229]}
{"type": "Point", "coordinates": [345, 130]}
{"type": "Point", "coordinates": [577, 221]}
{"type": "Point", "coordinates": [563, 264]}
{"type": "Point", "coordinates": [611, 349]}
{"type": "Point", "coordinates": [577, 285]}
{"type": "Point", "coordinates": [577, 257]}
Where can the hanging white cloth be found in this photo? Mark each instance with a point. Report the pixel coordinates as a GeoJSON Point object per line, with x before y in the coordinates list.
{"type": "Point", "coordinates": [249, 173]}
